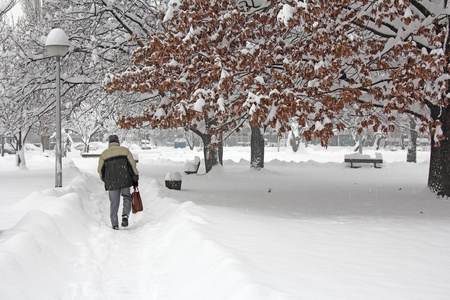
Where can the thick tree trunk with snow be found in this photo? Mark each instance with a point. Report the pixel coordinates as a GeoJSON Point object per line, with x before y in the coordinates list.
{"type": "Point", "coordinates": [439, 174]}
{"type": "Point", "coordinates": [292, 141]}
{"type": "Point", "coordinates": [412, 147]}
{"type": "Point", "coordinates": [359, 145]}
{"type": "Point", "coordinates": [211, 154]}
{"type": "Point", "coordinates": [20, 154]}
{"type": "Point", "coordinates": [257, 148]}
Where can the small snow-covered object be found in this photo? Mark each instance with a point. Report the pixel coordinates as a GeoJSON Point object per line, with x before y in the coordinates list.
{"type": "Point", "coordinates": [173, 180]}
{"type": "Point", "coordinates": [173, 176]}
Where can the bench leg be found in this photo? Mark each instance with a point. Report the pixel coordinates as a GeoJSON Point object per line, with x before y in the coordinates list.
{"type": "Point", "coordinates": [354, 167]}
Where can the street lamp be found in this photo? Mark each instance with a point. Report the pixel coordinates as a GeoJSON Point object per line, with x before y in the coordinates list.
{"type": "Point", "coordinates": [57, 45]}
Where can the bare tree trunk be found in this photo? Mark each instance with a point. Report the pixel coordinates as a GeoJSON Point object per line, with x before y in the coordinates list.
{"type": "Point", "coordinates": [257, 148]}
{"type": "Point", "coordinates": [45, 142]}
{"type": "Point", "coordinates": [190, 140]}
{"type": "Point", "coordinates": [220, 153]}
{"type": "Point", "coordinates": [412, 147]}
{"type": "Point", "coordinates": [361, 141]}
{"type": "Point", "coordinates": [438, 176]}
{"type": "Point", "coordinates": [359, 145]}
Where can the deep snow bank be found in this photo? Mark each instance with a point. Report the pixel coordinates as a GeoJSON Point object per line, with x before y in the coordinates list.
{"type": "Point", "coordinates": [39, 252]}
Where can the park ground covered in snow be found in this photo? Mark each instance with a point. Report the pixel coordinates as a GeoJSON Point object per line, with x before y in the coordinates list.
{"type": "Point", "coordinates": [305, 227]}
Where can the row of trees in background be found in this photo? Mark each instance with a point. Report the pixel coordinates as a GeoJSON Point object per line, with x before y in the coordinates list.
{"type": "Point", "coordinates": [213, 67]}
{"type": "Point", "coordinates": [102, 34]}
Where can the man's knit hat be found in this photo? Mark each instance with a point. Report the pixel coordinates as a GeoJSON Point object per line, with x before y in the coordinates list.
{"type": "Point", "coordinates": [113, 138]}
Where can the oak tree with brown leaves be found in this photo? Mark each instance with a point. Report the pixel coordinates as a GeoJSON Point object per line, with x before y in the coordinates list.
{"type": "Point", "coordinates": [198, 68]}
{"type": "Point", "coordinates": [366, 57]}
{"type": "Point", "coordinates": [267, 61]}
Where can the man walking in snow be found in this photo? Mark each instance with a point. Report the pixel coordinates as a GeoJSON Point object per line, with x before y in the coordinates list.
{"type": "Point", "coordinates": [117, 169]}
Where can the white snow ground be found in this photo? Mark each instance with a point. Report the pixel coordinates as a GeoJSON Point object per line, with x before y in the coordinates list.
{"type": "Point", "coordinates": [305, 227]}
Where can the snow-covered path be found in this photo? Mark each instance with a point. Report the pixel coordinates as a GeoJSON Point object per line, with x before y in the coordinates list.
{"type": "Point", "coordinates": [293, 231]}
{"type": "Point", "coordinates": [115, 264]}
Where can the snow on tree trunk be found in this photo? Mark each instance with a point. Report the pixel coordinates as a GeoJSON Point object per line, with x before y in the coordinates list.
{"type": "Point", "coordinates": [438, 177]}
{"type": "Point", "coordinates": [376, 144]}
{"type": "Point", "coordinates": [257, 148]}
{"type": "Point", "coordinates": [292, 141]}
{"type": "Point", "coordinates": [359, 145]}
{"type": "Point", "coordinates": [211, 153]}
{"type": "Point", "coordinates": [412, 147]}
{"type": "Point", "coordinates": [20, 155]}
{"type": "Point", "coordinates": [21, 163]}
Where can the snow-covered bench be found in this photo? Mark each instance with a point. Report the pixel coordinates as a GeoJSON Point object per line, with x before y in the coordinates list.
{"type": "Point", "coordinates": [357, 158]}
{"type": "Point", "coordinates": [191, 167]}
{"type": "Point", "coordinates": [84, 154]}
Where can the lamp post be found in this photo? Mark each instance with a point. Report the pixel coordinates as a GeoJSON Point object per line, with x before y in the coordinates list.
{"type": "Point", "coordinates": [57, 45]}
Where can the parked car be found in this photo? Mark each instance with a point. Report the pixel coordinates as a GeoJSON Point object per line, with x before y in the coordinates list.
{"type": "Point", "coordinates": [79, 147]}
{"type": "Point", "coordinates": [92, 147]}
{"type": "Point", "coordinates": [146, 147]}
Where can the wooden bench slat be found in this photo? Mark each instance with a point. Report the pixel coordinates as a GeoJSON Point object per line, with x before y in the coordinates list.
{"type": "Point", "coordinates": [373, 161]}
{"type": "Point", "coordinates": [359, 160]}
{"type": "Point", "coordinates": [90, 154]}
